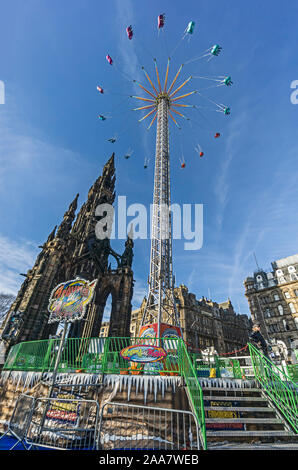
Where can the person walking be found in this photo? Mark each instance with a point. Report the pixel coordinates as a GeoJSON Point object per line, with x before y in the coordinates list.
{"type": "Point", "coordinates": [258, 339]}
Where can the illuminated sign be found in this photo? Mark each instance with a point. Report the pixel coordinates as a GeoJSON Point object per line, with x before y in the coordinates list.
{"type": "Point", "coordinates": [143, 353]}
{"type": "Point", "coordinates": [69, 299]}
{"type": "Point", "coordinates": [65, 411]}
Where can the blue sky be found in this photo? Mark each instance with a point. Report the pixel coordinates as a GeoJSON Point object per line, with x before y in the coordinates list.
{"type": "Point", "coordinates": [52, 145]}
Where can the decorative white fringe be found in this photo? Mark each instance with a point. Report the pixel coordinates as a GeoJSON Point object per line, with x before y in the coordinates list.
{"type": "Point", "coordinates": [145, 383]}
{"type": "Point", "coordinates": [226, 383]}
{"type": "Point", "coordinates": [20, 378]}
{"type": "Point", "coordinates": [73, 379]}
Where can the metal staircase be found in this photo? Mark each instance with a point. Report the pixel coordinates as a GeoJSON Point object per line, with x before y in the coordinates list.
{"type": "Point", "coordinates": [243, 418]}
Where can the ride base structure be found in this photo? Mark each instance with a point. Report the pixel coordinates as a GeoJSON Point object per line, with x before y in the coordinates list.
{"type": "Point", "coordinates": [128, 393]}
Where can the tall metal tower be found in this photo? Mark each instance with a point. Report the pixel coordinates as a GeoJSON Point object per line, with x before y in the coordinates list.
{"type": "Point", "coordinates": [161, 307]}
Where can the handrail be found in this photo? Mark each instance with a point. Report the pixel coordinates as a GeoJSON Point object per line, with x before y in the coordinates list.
{"type": "Point", "coordinates": [280, 388]}
{"type": "Point", "coordinates": [194, 389]}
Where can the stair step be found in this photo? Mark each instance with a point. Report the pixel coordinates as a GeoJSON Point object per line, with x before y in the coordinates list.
{"type": "Point", "coordinates": [223, 389]}
{"type": "Point", "coordinates": [224, 398]}
{"type": "Point", "coordinates": [240, 408]}
{"type": "Point", "coordinates": [244, 420]}
{"type": "Point", "coordinates": [252, 446]}
{"type": "Point", "coordinates": [249, 433]}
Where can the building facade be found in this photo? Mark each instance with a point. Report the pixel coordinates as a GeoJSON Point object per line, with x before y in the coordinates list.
{"type": "Point", "coordinates": [71, 251]}
{"type": "Point", "coordinates": [204, 323]}
{"type": "Point", "coordinates": [273, 301]}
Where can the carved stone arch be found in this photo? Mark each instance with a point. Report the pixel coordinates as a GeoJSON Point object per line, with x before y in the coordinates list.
{"type": "Point", "coordinates": [120, 285]}
{"type": "Point", "coordinates": [100, 299]}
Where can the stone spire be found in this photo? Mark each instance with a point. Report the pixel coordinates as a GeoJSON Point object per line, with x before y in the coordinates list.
{"type": "Point", "coordinates": [101, 192]}
{"type": "Point", "coordinates": [103, 188]}
{"type": "Point", "coordinates": [68, 219]}
{"type": "Point", "coordinates": [52, 235]}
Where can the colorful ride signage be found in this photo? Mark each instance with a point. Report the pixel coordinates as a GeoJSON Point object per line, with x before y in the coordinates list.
{"type": "Point", "coordinates": [64, 410]}
{"type": "Point", "coordinates": [69, 299]}
{"type": "Point", "coordinates": [166, 331]}
{"type": "Point", "coordinates": [143, 353]}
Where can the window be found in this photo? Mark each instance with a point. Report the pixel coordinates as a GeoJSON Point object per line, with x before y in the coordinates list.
{"type": "Point", "coordinates": [276, 297]}
{"type": "Point", "coordinates": [296, 322]}
{"type": "Point", "coordinates": [267, 313]}
{"type": "Point", "coordinates": [285, 325]}
{"type": "Point", "coordinates": [287, 295]}
{"type": "Point", "coordinates": [292, 307]}
{"type": "Point", "coordinates": [280, 276]}
{"type": "Point", "coordinates": [296, 292]}
{"type": "Point", "coordinates": [265, 299]}
{"type": "Point", "coordinates": [280, 309]}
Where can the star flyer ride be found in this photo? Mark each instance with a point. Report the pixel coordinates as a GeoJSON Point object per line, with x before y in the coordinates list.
{"type": "Point", "coordinates": [163, 101]}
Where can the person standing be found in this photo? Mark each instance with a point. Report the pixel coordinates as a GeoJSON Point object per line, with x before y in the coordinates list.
{"type": "Point", "coordinates": [258, 338]}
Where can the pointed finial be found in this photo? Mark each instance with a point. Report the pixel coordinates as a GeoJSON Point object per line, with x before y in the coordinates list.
{"type": "Point", "coordinates": [52, 234]}
{"type": "Point", "coordinates": [131, 232]}
{"type": "Point", "coordinates": [73, 205]}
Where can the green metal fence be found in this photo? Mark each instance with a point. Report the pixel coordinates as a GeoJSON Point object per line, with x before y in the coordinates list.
{"type": "Point", "coordinates": [222, 366]}
{"type": "Point", "coordinates": [292, 370]}
{"type": "Point", "coordinates": [90, 355]}
{"type": "Point", "coordinates": [280, 388]}
{"type": "Point", "coordinates": [194, 389]}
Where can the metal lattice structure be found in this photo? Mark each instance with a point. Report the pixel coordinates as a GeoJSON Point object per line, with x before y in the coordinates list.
{"type": "Point", "coordinates": [161, 306]}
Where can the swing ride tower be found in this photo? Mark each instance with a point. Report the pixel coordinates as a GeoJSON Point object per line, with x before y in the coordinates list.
{"type": "Point", "coordinates": [160, 316]}
{"type": "Point", "coordinates": [161, 305]}
{"type": "Point", "coordinates": [161, 310]}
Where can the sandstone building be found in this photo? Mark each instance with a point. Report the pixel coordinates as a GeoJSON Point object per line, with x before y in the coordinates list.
{"type": "Point", "coordinates": [204, 323]}
{"type": "Point", "coordinates": [273, 301]}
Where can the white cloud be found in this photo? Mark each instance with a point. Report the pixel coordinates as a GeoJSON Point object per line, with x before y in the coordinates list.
{"type": "Point", "coordinates": [15, 257]}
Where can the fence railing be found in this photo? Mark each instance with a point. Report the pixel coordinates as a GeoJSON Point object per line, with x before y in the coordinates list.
{"type": "Point", "coordinates": [59, 423]}
{"type": "Point", "coordinates": [135, 427]}
{"type": "Point", "coordinates": [292, 370]}
{"type": "Point", "coordinates": [280, 388]}
{"type": "Point", "coordinates": [20, 420]}
{"type": "Point", "coordinates": [92, 355]}
{"type": "Point", "coordinates": [194, 389]}
{"type": "Point", "coordinates": [222, 366]}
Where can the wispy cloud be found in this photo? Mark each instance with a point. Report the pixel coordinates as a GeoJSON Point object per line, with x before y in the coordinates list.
{"type": "Point", "coordinates": [130, 60]}
{"type": "Point", "coordinates": [125, 16]}
{"type": "Point", "coordinates": [16, 256]}
{"type": "Point", "coordinates": [222, 183]}
{"type": "Point", "coordinates": [28, 158]}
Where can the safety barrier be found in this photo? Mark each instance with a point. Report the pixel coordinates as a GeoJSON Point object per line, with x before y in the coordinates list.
{"type": "Point", "coordinates": [193, 389]}
{"type": "Point", "coordinates": [292, 370]}
{"type": "Point", "coordinates": [91, 355]}
{"type": "Point", "coordinates": [20, 419]}
{"type": "Point", "coordinates": [60, 423]}
{"type": "Point", "coordinates": [280, 388]}
{"type": "Point", "coordinates": [134, 427]}
{"type": "Point", "coordinates": [223, 366]}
